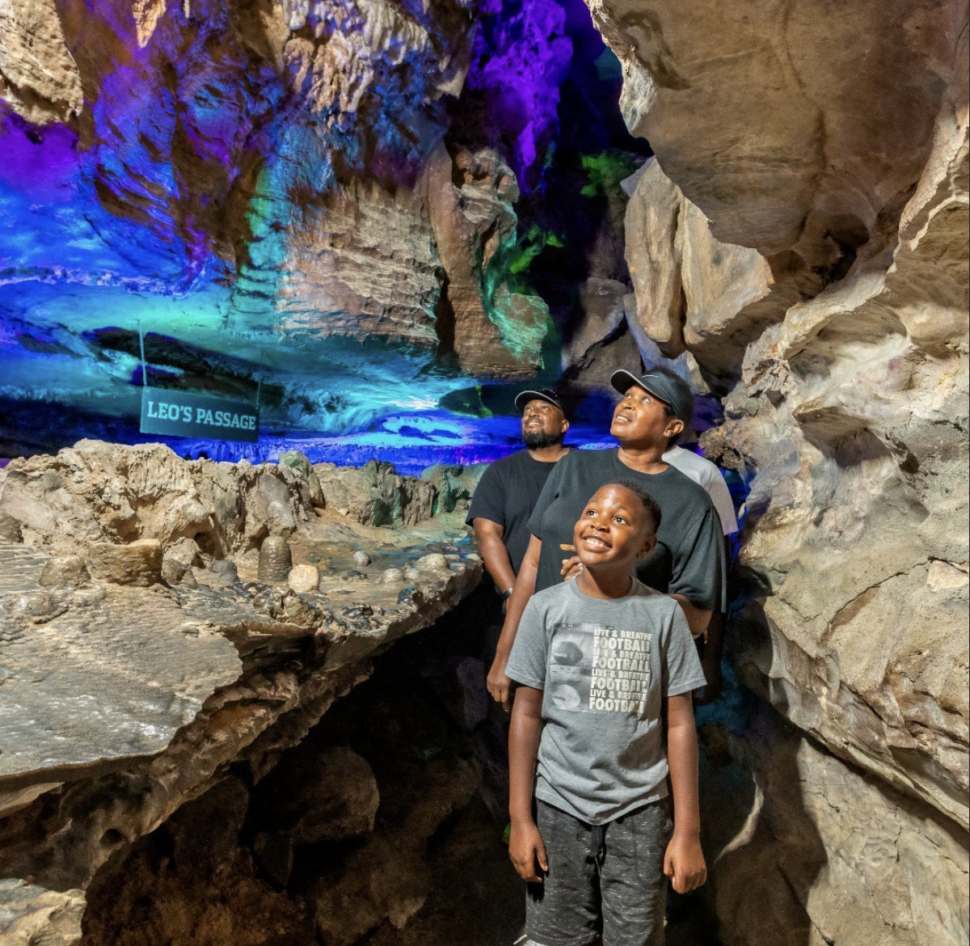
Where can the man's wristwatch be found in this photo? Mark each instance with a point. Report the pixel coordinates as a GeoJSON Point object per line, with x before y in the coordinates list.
{"type": "Point", "coordinates": [508, 593]}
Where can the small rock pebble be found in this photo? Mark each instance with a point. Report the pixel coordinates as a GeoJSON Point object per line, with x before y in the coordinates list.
{"type": "Point", "coordinates": [361, 559]}
{"type": "Point", "coordinates": [392, 575]}
{"type": "Point", "coordinates": [304, 579]}
{"type": "Point", "coordinates": [433, 562]}
{"type": "Point", "coordinates": [224, 571]}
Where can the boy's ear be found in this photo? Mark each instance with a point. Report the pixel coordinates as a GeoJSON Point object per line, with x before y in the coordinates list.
{"type": "Point", "coordinates": [649, 544]}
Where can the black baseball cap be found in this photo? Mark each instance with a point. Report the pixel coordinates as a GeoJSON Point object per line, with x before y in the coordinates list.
{"type": "Point", "coordinates": [666, 386]}
{"type": "Point", "coordinates": [523, 398]}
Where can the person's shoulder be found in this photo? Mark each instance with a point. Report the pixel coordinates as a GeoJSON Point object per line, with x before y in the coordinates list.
{"type": "Point", "coordinates": [581, 461]}
{"type": "Point", "coordinates": [697, 467]}
{"type": "Point", "coordinates": [505, 466]}
{"type": "Point", "coordinates": [688, 489]}
{"type": "Point", "coordinates": [656, 601]}
{"type": "Point", "coordinates": [553, 596]}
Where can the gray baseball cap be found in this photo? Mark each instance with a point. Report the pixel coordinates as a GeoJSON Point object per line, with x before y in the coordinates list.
{"type": "Point", "coordinates": [523, 398]}
{"type": "Point", "coordinates": [672, 390]}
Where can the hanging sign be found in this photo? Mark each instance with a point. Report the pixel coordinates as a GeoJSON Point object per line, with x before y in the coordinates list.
{"type": "Point", "coordinates": [181, 414]}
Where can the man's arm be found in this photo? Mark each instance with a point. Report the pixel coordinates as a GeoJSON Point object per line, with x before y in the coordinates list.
{"type": "Point", "coordinates": [526, 848]}
{"type": "Point", "coordinates": [684, 860]}
{"type": "Point", "coordinates": [698, 620]}
{"type": "Point", "coordinates": [525, 586]}
{"type": "Point", "coordinates": [489, 535]}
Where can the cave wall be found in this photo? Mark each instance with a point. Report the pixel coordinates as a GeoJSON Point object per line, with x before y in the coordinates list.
{"type": "Point", "coordinates": [801, 238]}
{"type": "Point", "coordinates": [338, 201]}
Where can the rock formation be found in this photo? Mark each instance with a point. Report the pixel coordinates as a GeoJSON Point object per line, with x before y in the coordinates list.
{"type": "Point", "coordinates": [826, 290]}
{"type": "Point", "coordinates": [126, 695]}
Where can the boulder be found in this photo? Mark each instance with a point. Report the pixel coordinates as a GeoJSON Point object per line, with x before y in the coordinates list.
{"type": "Point", "coordinates": [137, 563]}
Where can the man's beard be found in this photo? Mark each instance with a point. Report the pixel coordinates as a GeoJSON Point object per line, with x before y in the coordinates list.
{"type": "Point", "coordinates": [539, 440]}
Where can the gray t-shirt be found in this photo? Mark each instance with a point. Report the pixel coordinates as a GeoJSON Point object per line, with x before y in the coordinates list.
{"type": "Point", "coordinates": [604, 666]}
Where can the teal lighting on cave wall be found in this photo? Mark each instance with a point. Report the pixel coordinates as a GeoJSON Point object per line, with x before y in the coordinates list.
{"type": "Point", "coordinates": [106, 234]}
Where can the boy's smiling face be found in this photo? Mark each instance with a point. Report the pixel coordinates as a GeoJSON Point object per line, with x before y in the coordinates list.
{"type": "Point", "coordinates": [614, 530]}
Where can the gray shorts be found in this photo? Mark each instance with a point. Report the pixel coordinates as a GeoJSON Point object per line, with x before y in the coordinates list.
{"type": "Point", "coordinates": [603, 879]}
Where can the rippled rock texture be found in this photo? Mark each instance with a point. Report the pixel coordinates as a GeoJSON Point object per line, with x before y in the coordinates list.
{"type": "Point", "coordinates": [241, 179]}
{"type": "Point", "coordinates": [802, 238]}
{"type": "Point", "coordinates": [124, 696]}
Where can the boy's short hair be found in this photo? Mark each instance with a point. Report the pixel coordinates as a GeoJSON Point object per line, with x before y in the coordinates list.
{"type": "Point", "coordinates": [650, 505]}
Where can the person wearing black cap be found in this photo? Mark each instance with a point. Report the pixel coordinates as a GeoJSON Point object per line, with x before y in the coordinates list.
{"type": "Point", "coordinates": [689, 560]}
{"type": "Point", "coordinates": [507, 493]}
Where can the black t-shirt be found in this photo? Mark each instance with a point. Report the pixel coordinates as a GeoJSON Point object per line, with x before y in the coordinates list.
{"type": "Point", "coordinates": [689, 558]}
{"type": "Point", "coordinates": [507, 494]}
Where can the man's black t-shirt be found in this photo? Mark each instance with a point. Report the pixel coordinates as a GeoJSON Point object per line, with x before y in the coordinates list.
{"type": "Point", "coordinates": [689, 558]}
{"type": "Point", "coordinates": [507, 494]}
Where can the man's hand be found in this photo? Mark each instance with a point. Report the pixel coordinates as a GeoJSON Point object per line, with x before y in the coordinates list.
{"type": "Point", "coordinates": [571, 567]}
{"type": "Point", "coordinates": [498, 683]}
{"type": "Point", "coordinates": [684, 862]}
{"type": "Point", "coordinates": [527, 850]}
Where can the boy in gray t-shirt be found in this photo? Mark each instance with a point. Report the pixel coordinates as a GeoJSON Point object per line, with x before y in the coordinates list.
{"type": "Point", "coordinates": [605, 668]}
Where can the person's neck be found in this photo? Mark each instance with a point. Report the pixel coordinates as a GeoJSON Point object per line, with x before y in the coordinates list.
{"type": "Point", "coordinates": [643, 458]}
{"type": "Point", "coordinates": [605, 583]}
{"type": "Point", "coordinates": [548, 454]}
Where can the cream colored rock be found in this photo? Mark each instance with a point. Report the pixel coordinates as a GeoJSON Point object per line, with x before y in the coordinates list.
{"type": "Point", "coordinates": [33, 916]}
{"type": "Point", "coordinates": [765, 121]}
{"type": "Point", "coordinates": [811, 851]}
{"type": "Point", "coordinates": [304, 579]}
{"type": "Point", "coordinates": [364, 265]}
{"type": "Point", "coordinates": [97, 492]}
{"type": "Point", "coordinates": [38, 75]}
{"type": "Point", "coordinates": [432, 562]}
{"type": "Point", "coordinates": [693, 292]}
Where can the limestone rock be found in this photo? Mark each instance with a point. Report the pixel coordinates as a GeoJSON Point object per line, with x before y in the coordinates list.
{"type": "Point", "coordinates": [693, 292]}
{"type": "Point", "coordinates": [224, 571]}
{"type": "Point", "coordinates": [96, 491]}
{"type": "Point", "coordinates": [128, 701]}
{"type": "Point", "coordinates": [494, 331]}
{"type": "Point", "coordinates": [602, 304]}
{"type": "Point", "coordinates": [807, 849]}
{"type": "Point", "coordinates": [10, 530]}
{"type": "Point", "coordinates": [366, 266]}
{"type": "Point", "coordinates": [847, 414]}
{"type": "Point", "coordinates": [275, 559]}
{"type": "Point", "coordinates": [335, 800]}
{"type": "Point", "coordinates": [64, 570]}
{"type": "Point", "coordinates": [375, 494]}
{"type": "Point", "coordinates": [432, 562]}
{"type": "Point", "coordinates": [33, 916]}
{"type": "Point", "coordinates": [454, 484]}
{"type": "Point", "coordinates": [304, 579]}
{"type": "Point", "coordinates": [174, 570]}
{"type": "Point", "coordinates": [742, 135]}
{"type": "Point", "coordinates": [137, 563]}
{"type": "Point", "coordinates": [38, 75]}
